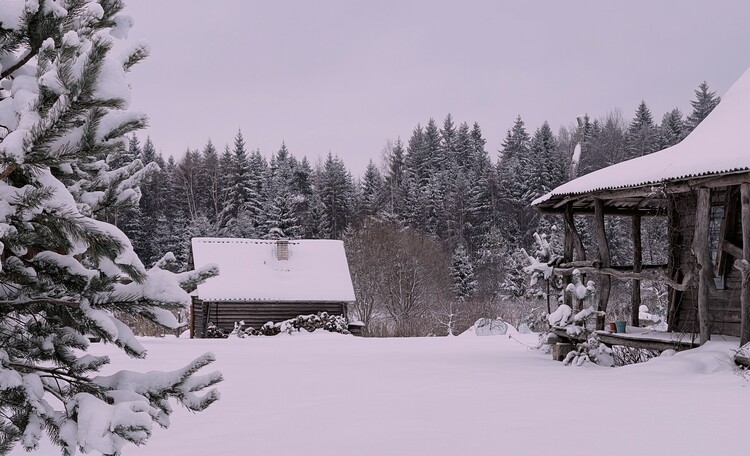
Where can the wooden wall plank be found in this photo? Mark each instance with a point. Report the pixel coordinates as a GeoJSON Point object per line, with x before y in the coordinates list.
{"type": "Point", "coordinates": [745, 284]}
{"type": "Point", "coordinates": [703, 258]}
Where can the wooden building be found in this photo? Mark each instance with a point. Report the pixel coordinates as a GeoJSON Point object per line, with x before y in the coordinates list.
{"type": "Point", "coordinates": [702, 187]}
{"type": "Point", "coordinates": [261, 281]}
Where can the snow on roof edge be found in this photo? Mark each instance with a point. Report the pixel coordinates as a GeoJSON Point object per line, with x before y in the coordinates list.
{"type": "Point", "coordinates": [718, 145]}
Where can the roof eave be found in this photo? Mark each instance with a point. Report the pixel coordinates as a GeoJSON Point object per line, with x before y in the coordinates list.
{"type": "Point", "coordinates": [648, 196]}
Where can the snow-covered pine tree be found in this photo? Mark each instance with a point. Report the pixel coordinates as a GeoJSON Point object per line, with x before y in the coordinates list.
{"type": "Point", "coordinates": [462, 273]}
{"type": "Point", "coordinates": [641, 138]}
{"type": "Point", "coordinates": [315, 224]}
{"type": "Point", "coordinates": [433, 149]}
{"type": "Point", "coordinates": [372, 191]}
{"type": "Point", "coordinates": [63, 106]}
{"type": "Point", "coordinates": [608, 146]}
{"type": "Point", "coordinates": [672, 129]}
{"type": "Point", "coordinates": [512, 162]}
{"type": "Point", "coordinates": [547, 169]}
{"type": "Point", "coordinates": [336, 192]}
{"type": "Point", "coordinates": [279, 211]}
{"type": "Point", "coordinates": [210, 182]}
{"type": "Point", "coordinates": [395, 180]}
{"type": "Point", "coordinates": [237, 184]}
{"type": "Point", "coordinates": [417, 157]}
{"type": "Point", "coordinates": [705, 102]}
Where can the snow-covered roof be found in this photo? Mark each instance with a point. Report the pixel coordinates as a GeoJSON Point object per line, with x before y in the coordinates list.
{"type": "Point", "coordinates": [316, 271]}
{"type": "Point", "coordinates": [718, 145]}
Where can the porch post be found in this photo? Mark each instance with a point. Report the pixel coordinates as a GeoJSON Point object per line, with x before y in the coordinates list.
{"type": "Point", "coordinates": [604, 258]}
{"type": "Point", "coordinates": [576, 242]}
{"type": "Point", "coordinates": [703, 258]}
{"type": "Point", "coordinates": [568, 252]}
{"type": "Point", "coordinates": [637, 267]}
{"type": "Point", "coordinates": [745, 267]}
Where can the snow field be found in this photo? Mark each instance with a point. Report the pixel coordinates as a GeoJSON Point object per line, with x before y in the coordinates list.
{"type": "Point", "coordinates": [332, 394]}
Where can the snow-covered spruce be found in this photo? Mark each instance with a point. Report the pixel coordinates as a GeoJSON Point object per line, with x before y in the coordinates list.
{"type": "Point", "coordinates": [65, 271]}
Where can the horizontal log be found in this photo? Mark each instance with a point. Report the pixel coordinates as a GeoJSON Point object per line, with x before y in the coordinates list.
{"type": "Point", "coordinates": [655, 275]}
{"type": "Point", "coordinates": [618, 267]}
{"type": "Point", "coordinates": [645, 267]}
{"type": "Point", "coordinates": [579, 264]}
{"type": "Point", "coordinates": [610, 339]}
{"type": "Point", "coordinates": [609, 210]}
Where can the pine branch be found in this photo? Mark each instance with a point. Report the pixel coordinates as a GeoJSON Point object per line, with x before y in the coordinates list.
{"type": "Point", "coordinates": [43, 301]}
{"type": "Point", "coordinates": [9, 170]}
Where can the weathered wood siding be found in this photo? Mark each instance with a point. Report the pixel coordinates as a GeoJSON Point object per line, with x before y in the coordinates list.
{"type": "Point", "coordinates": [256, 314]}
{"type": "Point", "coordinates": [724, 305]}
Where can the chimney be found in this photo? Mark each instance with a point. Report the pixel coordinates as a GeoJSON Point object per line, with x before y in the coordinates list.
{"type": "Point", "coordinates": [282, 249]}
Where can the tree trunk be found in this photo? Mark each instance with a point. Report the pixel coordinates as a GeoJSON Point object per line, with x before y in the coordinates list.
{"type": "Point", "coordinates": [637, 265]}
{"type": "Point", "coordinates": [604, 258]}
{"type": "Point", "coordinates": [745, 293]}
{"type": "Point", "coordinates": [703, 258]}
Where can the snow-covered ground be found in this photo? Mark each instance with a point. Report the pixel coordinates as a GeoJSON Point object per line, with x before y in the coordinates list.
{"type": "Point", "coordinates": [330, 394]}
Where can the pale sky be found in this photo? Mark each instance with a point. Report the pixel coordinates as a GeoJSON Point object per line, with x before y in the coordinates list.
{"type": "Point", "coordinates": [347, 76]}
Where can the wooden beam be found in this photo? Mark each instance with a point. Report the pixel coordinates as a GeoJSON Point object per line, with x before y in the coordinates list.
{"type": "Point", "coordinates": [724, 180]}
{"type": "Point", "coordinates": [567, 257]}
{"type": "Point", "coordinates": [745, 292]}
{"type": "Point", "coordinates": [660, 268]}
{"type": "Point", "coordinates": [608, 210]}
{"type": "Point", "coordinates": [674, 260]}
{"type": "Point", "coordinates": [635, 299]}
{"type": "Point", "coordinates": [604, 258]}
{"type": "Point", "coordinates": [703, 259]}
{"type": "Point", "coordinates": [576, 238]}
{"type": "Point", "coordinates": [653, 192]}
{"type": "Point", "coordinates": [644, 343]}
{"type": "Point", "coordinates": [732, 249]}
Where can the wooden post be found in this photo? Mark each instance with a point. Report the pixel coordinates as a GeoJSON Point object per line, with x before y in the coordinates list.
{"type": "Point", "coordinates": [635, 302]}
{"type": "Point", "coordinates": [703, 258]}
{"type": "Point", "coordinates": [745, 293]}
{"type": "Point", "coordinates": [572, 243]}
{"type": "Point", "coordinates": [575, 237]}
{"type": "Point", "coordinates": [673, 260]}
{"type": "Point", "coordinates": [567, 256]}
{"type": "Point", "coordinates": [604, 258]}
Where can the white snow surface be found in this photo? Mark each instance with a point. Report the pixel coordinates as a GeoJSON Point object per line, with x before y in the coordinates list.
{"type": "Point", "coordinates": [316, 270]}
{"type": "Point", "coordinates": [718, 145]}
{"type": "Point", "coordinates": [331, 394]}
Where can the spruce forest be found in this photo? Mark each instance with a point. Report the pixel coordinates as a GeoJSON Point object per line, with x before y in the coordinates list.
{"type": "Point", "coordinates": [436, 229]}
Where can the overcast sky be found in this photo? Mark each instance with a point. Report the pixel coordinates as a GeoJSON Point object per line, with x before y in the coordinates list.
{"type": "Point", "coordinates": [346, 76]}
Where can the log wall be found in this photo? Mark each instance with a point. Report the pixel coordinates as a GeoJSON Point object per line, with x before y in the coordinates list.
{"type": "Point", "coordinates": [255, 314]}
{"type": "Point", "coordinates": [724, 308]}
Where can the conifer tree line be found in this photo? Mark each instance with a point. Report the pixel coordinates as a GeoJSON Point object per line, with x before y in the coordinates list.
{"type": "Point", "coordinates": [441, 183]}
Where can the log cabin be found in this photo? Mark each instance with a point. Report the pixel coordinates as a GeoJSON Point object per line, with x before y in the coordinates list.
{"type": "Point", "coordinates": [265, 280]}
{"type": "Point", "coordinates": [702, 187]}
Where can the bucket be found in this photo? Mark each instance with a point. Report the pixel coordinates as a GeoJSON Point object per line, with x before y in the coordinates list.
{"type": "Point", "coordinates": [620, 326]}
{"type": "Point", "coordinates": [612, 327]}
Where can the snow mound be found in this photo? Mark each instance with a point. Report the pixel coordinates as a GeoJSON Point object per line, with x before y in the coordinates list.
{"type": "Point", "coordinates": [490, 327]}
{"type": "Point", "coordinates": [710, 358]}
